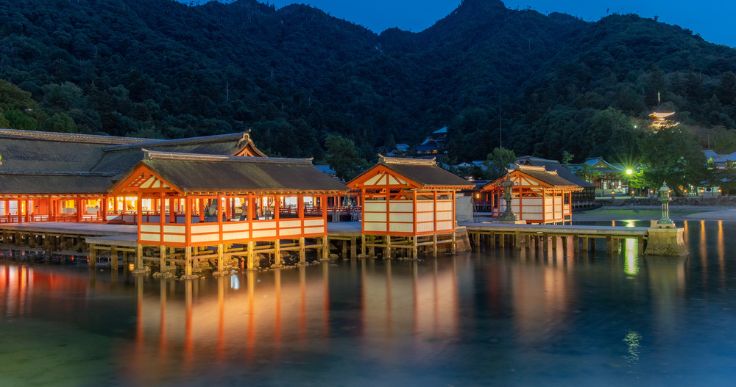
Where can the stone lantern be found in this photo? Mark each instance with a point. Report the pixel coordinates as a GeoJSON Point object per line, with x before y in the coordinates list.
{"type": "Point", "coordinates": [508, 215]}
{"type": "Point", "coordinates": [665, 196]}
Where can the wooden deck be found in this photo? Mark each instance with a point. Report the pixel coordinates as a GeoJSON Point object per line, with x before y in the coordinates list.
{"type": "Point", "coordinates": [581, 236]}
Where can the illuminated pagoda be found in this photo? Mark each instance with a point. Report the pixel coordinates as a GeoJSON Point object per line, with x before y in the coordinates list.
{"type": "Point", "coordinates": [538, 195]}
{"type": "Point", "coordinates": [407, 204]}
{"type": "Point", "coordinates": [662, 120]}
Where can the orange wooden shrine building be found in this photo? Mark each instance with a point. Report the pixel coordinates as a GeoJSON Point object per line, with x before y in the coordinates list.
{"type": "Point", "coordinates": [240, 206]}
{"type": "Point", "coordinates": [538, 195]}
{"type": "Point", "coordinates": [192, 199]}
{"type": "Point", "coordinates": [65, 177]}
{"type": "Point", "coordinates": [408, 204]}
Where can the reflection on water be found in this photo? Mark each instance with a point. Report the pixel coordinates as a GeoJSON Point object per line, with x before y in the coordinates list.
{"type": "Point", "coordinates": [530, 316]}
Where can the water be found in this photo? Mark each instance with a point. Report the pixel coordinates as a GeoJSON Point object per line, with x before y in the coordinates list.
{"type": "Point", "coordinates": [493, 318]}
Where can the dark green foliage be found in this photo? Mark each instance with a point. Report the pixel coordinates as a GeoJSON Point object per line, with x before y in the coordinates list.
{"type": "Point", "coordinates": [533, 83]}
{"type": "Point", "coordinates": [498, 162]}
{"type": "Point", "coordinates": [343, 156]}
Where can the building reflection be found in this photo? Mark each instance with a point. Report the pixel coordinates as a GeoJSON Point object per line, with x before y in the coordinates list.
{"type": "Point", "coordinates": [666, 277]}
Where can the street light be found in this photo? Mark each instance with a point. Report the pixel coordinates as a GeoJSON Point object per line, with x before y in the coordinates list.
{"type": "Point", "coordinates": [629, 171]}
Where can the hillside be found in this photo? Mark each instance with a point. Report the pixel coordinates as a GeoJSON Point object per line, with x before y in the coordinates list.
{"type": "Point", "coordinates": [163, 69]}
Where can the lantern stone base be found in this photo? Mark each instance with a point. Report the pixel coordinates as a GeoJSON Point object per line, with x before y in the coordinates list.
{"type": "Point", "coordinates": [666, 240]}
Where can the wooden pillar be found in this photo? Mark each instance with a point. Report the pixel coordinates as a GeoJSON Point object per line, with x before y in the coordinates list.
{"type": "Point", "coordinates": [325, 248]}
{"type": "Point", "coordinates": [103, 208]}
{"type": "Point", "coordinates": [172, 211]}
{"type": "Point", "coordinates": [188, 262]}
{"type": "Point", "coordinates": [92, 260]}
{"type": "Point", "coordinates": [114, 259]}
{"type": "Point", "coordinates": [362, 246]}
{"type": "Point", "coordinates": [220, 259]}
{"type": "Point", "coordinates": [434, 245]}
{"type": "Point", "coordinates": [139, 268]}
{"type": "Point", "coordinates": [414, 248]}
{"type": "Point", "coordinates": [162, 259]}
{"type": "Point", "coordinates": [200, 201]}
{"type": "Point", "coordinates": [353, 248]}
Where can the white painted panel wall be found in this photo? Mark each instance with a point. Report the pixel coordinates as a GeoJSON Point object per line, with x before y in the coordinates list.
{"type": "Point", "coordinates": [263, 225]}
{"type": "Point", "coordinates": [401, 206]}
{"type": "Point", "coordinates": [314, 230]}
{"type": "Point", "coordinates": [235, 236]}
{"type": "Point", "coordinates": [205, 228]}
{"type": "Point", "coordinates": [264, 233]}
{"type": "Point", "coordinates": [401, 227]}
{"type": "Point", "coordinates": [314, 222]}
{"type": "Point", "coordinates": [375, 217]}
{"type": "Point", "coordinates": [444, 226]}
{"type": "Point", "coordinates": [290, 223]}
{"type": "Point", "coordinates": [423, 206]}
{"type": "Point", "coordinates": [445, 205]}
{"type": "Point", "coordinates": [235, 227]}
{"type": "Point", "coordinates": [150, 228]}
{"type": "Point", "coordinates": [174, 229]}
{"type": "Point", "coordinates": [425, 217]}
{"type": "Point", "coordinates": [444, 216]}
{"type": "Point", "coordinates": [290, 231]}
{"type": "Point", "coordinates": [375, 227]}
{"type": "Point", "coordinates": [174, 238]}
{"type": "Point", "coordinates": [205, 238]}
{"type": "Point", "coordinates": [151, 237]}
{"type": "Point", "coordinates": [401, 217]}
{"type": "Point", "coordinates": [425, 227]}
{"type": "Point", "coordinates": [375, 206]}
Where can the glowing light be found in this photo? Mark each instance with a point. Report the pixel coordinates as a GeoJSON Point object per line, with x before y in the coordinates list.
{"type": "Point", "coordinates": [631, 258]}
{"type": "Point", "coordinates": [629, 171]}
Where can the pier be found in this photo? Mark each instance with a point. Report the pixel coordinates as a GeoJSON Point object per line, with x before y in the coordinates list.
{"type": "Point", "coordinates": [582, 237]}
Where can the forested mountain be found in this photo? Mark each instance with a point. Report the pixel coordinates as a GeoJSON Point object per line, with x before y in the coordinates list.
{"type": "Point", "coordinates": [552, 83]}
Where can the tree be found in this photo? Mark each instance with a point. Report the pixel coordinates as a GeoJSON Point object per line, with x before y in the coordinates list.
{"type": "Point", "coordinates": [499, 160]}
{"type": "Point", "coordinates": [674, 156]}
{"type": "Point", "coordinates": [343, 156]}
{"type": "Point", "coordinates": [567, 157]}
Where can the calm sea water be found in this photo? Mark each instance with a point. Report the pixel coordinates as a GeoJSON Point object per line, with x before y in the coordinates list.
{"type": "Point", "coordinates": [491, 318]}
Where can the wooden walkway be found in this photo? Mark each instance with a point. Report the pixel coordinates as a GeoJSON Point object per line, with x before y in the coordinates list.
{"type": "Point", "coordinates": [503, 234]}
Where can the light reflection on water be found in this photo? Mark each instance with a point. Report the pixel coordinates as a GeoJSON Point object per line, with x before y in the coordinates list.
{"type": "Point", "coordinates": [499, 316]}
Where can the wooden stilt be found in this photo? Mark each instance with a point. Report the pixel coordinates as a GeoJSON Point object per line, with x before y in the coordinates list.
{"type": "Point", "coordinates": [188, 263]}
{"type": "Point", "coordinates": [325, 249]}
{"type": "Point", "coordinates": [277, 264]}
{"type": "Point", "coordinates": [220, 260]}
{"type": "Point", "coordinates": [414, 248]}
{"type": "Point", "coordinates": [162, 259]}
{"type": "Point", "coordinates": [114, 259]}
{"type": "Point", "coordinates": [139, 267]}
{"type": "Point", "coordinates": [92, 260]}
{"type": "Point", "coordinates": [363, 249]}
{"type": "Point", "coordinates": [353, 248]}
{"type": "Point", "coordinates": [434, 245]}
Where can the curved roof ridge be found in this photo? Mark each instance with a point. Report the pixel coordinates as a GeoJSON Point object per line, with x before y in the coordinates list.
{"type": "Point", "coordinates": [406, 160]}
{"type": "Point", "coordinates": [156, 142]}
{"type": "Point", "coordinates": [162, 155]}
{"type": "Point", "coordinates": [70, 137]}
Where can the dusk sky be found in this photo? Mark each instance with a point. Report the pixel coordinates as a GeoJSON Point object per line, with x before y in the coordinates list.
{"type": "Point", "coordinates": [712, 19]}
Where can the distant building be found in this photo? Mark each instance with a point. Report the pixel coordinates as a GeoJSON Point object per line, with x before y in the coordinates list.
{"type": "Point", "coordinates": [434, 144]}
{"type": "Point", "coordinates": [538, 195]}
{"type": "Point", "coordinates": [399, 150]}
{"type": "Point", "coordinates": [608, 178]}
{"type": "Point", "coordinates": [583, 198]}
{"type": "Point", "coordinates": [720, 161]}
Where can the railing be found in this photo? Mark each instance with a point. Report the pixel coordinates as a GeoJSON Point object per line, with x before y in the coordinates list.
{"type": "Point", "coordinates": [232, 232]}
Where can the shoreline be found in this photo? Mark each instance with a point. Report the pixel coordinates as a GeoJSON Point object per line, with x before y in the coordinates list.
{"type": "Point", "coordinates": [650, 212]}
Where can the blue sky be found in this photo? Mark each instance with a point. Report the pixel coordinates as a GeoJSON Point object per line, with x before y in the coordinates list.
{"type": "Point", "coordinates": [712, 19]}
